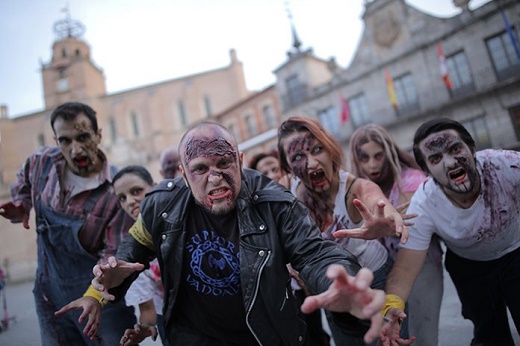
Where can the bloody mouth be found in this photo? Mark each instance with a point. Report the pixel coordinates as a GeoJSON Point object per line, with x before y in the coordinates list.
{"type": "Point", "coordinates": [458, 176]}
{"type": "Point", "coordinates": [318, 178]}
{"type": "Point", "coordinates": [219, 194]}
{"type": "Point", "coordinates": [82, 162]}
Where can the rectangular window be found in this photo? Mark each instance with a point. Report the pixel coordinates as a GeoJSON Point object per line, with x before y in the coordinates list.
{"type": "Point", "coordinates": [359, 109]}
{"type": "Point", "coordinates": [233, 130]}
{"type": "Point", "coordinates": [251, 125]}
{"type": "Point", "coordinates": [135, 123]}
{"type": "Point", "coordinates": [269, 116]}
{"type": "Point", "coordinates": [113, 129]}
{"type": "Point", "coordinates": [182, 113]}
{"type": "Point", "coordinates": [478, 129]}
{"type": "Point", "coordinates": [406, 94]}
{"type": "Point", "coordinates": [459, 71]}
{"type": "Point", "coordinates": [207, 106]}
{"type": "Point", "coordinates": [330, 119]}
{"type": "Point", "coordinates": [41, 139]}
{"type": "Point", "coordinates": [295, 91]}
{"type": "Point", "coordinates": [503, 54]}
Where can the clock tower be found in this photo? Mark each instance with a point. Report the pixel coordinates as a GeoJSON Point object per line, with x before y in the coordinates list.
{"type": "Point", "coordinates": [70, 75]}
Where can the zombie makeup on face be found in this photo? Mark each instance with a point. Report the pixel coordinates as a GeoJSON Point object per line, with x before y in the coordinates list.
{"type": "Point", "coordinates": [212, 172]}
{"type": "Point", "coordinates": [450, 161]}
{"type": "Point", "coordinates": [79, 144]}
{"type": "Point", "coordinates": [196, 147]}
{"type": "Point", "coordinates": [297, 159]}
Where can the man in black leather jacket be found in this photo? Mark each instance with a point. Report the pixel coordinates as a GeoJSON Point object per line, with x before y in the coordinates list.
{"type": "Point", "coordinates": [223, 236]}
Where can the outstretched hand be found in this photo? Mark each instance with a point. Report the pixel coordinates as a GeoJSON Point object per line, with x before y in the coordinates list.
{"type": "Point", "coordinates": [352, 295]}
{"type": "Point", "coordinates": [376, 224]}
{"type": "Point", "coordinates": [402, 208]}
{"type": "Point", "coordinates": [16, 212]}
{"type": "Point", "coordinates": [112, 274]}
{"type": "Point", "coordinates": [389, 335]}
{"type": "Point", "coordinates": [91, 309]}
{"type": "Point", "coordinates": [137, 334]}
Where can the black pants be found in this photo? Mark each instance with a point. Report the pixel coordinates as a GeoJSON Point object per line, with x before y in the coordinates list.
{"type": "Point", "coordinates": [486, 289]}
{"type": "Point", "coordinates": [315, 335]}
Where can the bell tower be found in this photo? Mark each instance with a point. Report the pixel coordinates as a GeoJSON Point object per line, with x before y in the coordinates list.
{"type": "Point", "coordinates": [70, 75]}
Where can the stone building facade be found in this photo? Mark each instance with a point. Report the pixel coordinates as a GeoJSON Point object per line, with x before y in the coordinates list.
{"type": "Point", "coordinates": [402, 43]}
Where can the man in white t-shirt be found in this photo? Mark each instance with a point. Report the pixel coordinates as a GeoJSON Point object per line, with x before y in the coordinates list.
{"type": "Point", "coordinates": [472, 203]}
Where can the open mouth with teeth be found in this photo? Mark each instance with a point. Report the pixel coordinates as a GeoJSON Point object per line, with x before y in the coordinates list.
{"type": "Point", "coordinates": [458, 175]}
{"type": "Point", "coordinates": [318, 178]}
{"type": "Point", "coordinates": [219, 193]}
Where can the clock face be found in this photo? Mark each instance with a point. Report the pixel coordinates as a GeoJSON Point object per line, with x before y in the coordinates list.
{"type": "Point", "coordinates": [63, 84]}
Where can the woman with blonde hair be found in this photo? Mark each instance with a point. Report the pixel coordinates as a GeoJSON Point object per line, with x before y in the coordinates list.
{"type": "Point", "coordinates": [374, 155]}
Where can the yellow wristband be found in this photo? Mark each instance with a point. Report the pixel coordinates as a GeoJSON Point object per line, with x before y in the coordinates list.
{"type": "Point", "coordinates": [392, 301]}
{"type": "Point", "coordinates": [92, 292]}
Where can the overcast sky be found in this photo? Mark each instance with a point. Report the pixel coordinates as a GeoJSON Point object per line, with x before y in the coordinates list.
{"type": "Point", "coordinates": [139, 42]}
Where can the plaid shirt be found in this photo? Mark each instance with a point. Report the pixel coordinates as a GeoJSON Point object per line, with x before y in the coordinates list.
{"type": "Point", "coordinates": [105, 225]}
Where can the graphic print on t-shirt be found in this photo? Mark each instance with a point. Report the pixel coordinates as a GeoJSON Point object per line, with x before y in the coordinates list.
{"type": "Point", "coordinates": [214, 267]}
{"type": "Point", "coordinates": [210, 298]}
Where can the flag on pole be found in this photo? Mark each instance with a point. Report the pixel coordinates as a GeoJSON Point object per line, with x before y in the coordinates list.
{"type": "Point", "coordinates": [391, 90]}
{"type": "Point", "coordinates": [345, 111]}
{"type": "Point", "coordinates": [443, 67]}
{"type": "Point", "coordinates": [511, 35]}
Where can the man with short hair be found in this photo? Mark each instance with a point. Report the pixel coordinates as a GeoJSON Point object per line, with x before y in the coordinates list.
{"type": "Point", "coordinates": [223, 236]}
{"type": "Point", "coordinates": [472, 203]}
{"type": "Point", "coordinates": [169, 160]}
{"type": "Point", "coordinates": [78, 222]}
